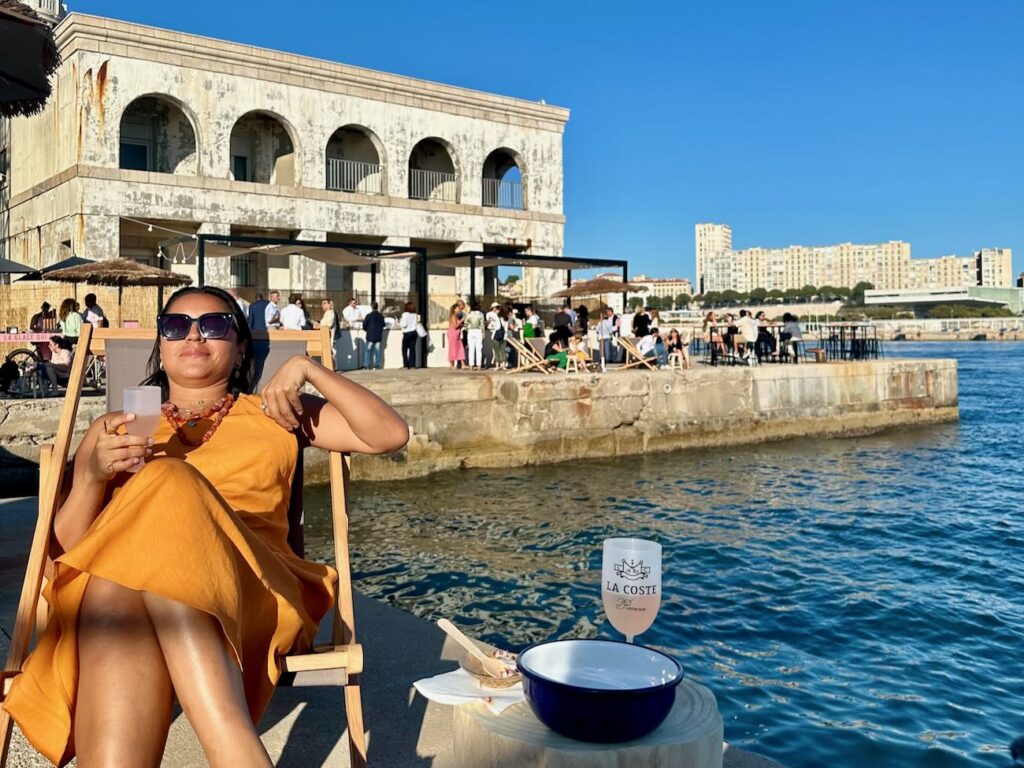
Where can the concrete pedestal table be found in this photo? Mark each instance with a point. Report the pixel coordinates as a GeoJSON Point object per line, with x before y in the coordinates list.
{"type": "Point", "coordinates": [690, 737]}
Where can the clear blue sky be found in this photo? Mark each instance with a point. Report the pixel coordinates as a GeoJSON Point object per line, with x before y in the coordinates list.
{"type": "Point", "coordinates": [795, 122]}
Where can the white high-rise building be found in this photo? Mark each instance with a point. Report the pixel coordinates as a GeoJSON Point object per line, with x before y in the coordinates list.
{"type": "Point", "coordinates": [711, 240]}
{"type": "Point", "coordinates": [995, 267]}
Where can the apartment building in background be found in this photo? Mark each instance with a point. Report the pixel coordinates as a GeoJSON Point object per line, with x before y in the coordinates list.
{"type": "Point", "coordinates": [661, 287]}
{"type": "Point", "coordinates": [711, 239]}
{"type": "Point", "coordinates": [887, 266]}
{"type": "Point", "coordinates": [942, 272]}
{"type": "Point", "coordinates": [995, 267]}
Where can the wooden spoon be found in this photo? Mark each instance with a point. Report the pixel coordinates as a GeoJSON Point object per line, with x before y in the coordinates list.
{"type": "Point", "coordinates": [492, 666]}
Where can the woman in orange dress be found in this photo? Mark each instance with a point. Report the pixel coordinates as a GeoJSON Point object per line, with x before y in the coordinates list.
{"type": "Point", "coordinates": [176, 580]}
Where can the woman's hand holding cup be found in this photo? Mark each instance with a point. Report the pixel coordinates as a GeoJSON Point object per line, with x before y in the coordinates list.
{"type": "Point", "coordinates": [115, 451]}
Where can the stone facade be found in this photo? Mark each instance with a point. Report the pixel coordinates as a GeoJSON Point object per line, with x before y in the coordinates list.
{"type": "Point", "coordinates": [151, 132]}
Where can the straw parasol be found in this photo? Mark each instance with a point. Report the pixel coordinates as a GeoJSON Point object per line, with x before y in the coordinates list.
{"type": "Point", "coordinates": [120, 273]}
{"type": "Point", "coordinates": [599, 286]}
{"type": "Point", "coordinates": [28, 56]}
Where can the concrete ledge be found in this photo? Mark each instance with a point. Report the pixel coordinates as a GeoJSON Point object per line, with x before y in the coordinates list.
{"type": "Point", "coordinates": [487, 419]}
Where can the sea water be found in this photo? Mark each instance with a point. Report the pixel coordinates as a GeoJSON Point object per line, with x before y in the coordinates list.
{"type": "Point", "coordinates": [851, 602]}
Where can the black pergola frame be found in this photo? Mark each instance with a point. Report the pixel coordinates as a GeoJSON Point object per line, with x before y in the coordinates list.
{"type": "Point", "coordinates": [515, 259]}
{"type": "Point", "coordinates": [418, 254]}
{"type": "Point", "coordinates": [392, 251]}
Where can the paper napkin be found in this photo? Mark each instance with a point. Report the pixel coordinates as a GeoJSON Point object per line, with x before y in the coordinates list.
{"type": "Point", "coordinates": [459, 687]}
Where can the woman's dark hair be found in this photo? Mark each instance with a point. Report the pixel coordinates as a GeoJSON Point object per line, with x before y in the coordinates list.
{"type": "Point", "coordinates": [243, 378]}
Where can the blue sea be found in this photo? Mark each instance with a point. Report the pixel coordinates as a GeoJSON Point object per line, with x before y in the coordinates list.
{"type": "Point", "coordinates": [853, 602]}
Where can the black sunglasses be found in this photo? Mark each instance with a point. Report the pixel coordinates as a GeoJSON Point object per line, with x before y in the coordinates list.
{"type": "Point", "coordinates": [212, 325]}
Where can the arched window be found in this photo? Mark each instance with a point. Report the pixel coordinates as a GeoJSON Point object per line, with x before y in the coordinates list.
{"type": "Point", "coordinates": [503, 181]}
{"type": "Point", "coordinates": [354, 162]}
{"type": "Point", "coordinates": [263, 150]}
{"type": "Point", "coordinates": [432, 173]}
{"type": "Point", "coordinates": [157, 136]}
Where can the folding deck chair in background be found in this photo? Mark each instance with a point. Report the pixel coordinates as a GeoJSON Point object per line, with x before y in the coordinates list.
{"type": "Point", "coordinates": [127, 352]}
{"type": "Point", "coordinates": [637, 359]}
{"type": "Point", "coordinates": [527, 357]}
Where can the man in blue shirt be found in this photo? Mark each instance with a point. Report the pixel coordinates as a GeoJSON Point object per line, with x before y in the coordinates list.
{"type": "Point", "coordinates": [373, 327]}
{"type": "Point", "coordinates": [257, 313]}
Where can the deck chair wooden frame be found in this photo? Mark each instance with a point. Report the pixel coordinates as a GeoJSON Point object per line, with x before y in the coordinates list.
{"type": "Point", "coordinates": [527, 357]}
{"type": "Point", "coordinates": [338, 663]}
{"type": "Point", "coordinates": [633, 356]}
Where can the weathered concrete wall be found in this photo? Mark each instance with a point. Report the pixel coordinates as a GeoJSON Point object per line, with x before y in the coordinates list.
{"type": "Point", "coordinates": [479, 420]}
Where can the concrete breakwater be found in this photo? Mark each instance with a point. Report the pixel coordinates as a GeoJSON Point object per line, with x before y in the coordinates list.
{"type": "Point", "coordinates": [496, 419]}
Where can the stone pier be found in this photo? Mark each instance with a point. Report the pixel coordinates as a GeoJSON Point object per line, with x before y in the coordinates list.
{"type": "Point", "coordinates": [494, 419]}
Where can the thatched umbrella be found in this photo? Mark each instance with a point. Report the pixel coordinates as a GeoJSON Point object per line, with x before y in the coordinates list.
{"type": "Point", "coordinates": [599, 286]}
{"type": "Point", "coordinates": [28, 56]}
{"type": "Point", "coordinates": [120, 273]}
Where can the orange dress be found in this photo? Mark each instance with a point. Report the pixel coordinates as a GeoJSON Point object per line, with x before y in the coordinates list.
{"type": "Point", "coordinates": [206, 526]}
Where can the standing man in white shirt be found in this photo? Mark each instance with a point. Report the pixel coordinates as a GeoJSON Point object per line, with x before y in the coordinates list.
{"type": "Point", "coordinates": [352, 315]}
{"type": "Point", "coordinates": [606, 331]}
{"type": "Point", "coordinates": [494, 325]}
{"type": "Point", "coordinates": [748, 327]}
{"type": "Point", "coordinates": [273, 312]}
{"type": "Point", "coordinates": [242, 303]}
{"type": "Point", "coordinates": [93, 312]}
{"type": "Point", "coordinates": [292, 316]}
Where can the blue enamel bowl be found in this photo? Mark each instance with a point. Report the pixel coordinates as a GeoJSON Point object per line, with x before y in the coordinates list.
{"type": "Point", "coordinates": [599, 690]}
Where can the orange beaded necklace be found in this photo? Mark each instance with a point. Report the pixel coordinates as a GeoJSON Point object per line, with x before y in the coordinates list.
{"type": "Point", "coordinates": [215, 413]}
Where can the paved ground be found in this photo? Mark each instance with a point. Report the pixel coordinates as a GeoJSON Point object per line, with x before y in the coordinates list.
{"type": "Point", "coordinates": [306, 727]}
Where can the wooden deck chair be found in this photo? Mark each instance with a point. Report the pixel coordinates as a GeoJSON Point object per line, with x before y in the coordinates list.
{"type": "Point", "coordinates": [127, 352]}
{"type": "Point", "coordinates": [633, 356]}
{"type": "Point", "coordinates": [528, 359]}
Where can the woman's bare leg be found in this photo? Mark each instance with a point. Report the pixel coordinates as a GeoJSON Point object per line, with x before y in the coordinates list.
{"type": "Point", "coordinates": [123, 709]}
{"type": "Point", "coordinates": [207, 681]}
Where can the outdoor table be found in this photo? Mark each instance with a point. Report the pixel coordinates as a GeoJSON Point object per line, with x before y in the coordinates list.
{"type": "Point", "coordinates": [691, 736]}
{"type": "Point", "coordinates": [849, 341]}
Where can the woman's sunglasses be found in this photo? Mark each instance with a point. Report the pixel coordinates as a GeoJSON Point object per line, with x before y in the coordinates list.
{"type": "Point", "coordinates": [212, 325]}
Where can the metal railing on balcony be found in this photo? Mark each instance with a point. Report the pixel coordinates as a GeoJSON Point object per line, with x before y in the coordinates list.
{"type": "Point", "coordinates": [354, 176]}
{"type": "Point", "coordinates": [433, 185]}
{"type": "Point", "coordinates": [503, 194]}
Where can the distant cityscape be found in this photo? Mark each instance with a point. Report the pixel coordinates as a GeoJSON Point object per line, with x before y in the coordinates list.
{"type": "Point", "coordinates": [887, 266]}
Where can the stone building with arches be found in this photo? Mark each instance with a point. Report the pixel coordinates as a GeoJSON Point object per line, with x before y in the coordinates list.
{"type": "Point", "coordinates": [152, 133]}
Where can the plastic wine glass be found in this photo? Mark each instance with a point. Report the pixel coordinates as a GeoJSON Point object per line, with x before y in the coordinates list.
{"type": "Point", "coordinates": [631, 584]}
{"type": "Point", "coordinates": [144, 402]}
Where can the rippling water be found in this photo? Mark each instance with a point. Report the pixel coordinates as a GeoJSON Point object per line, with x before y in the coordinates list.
{"type": "Point", "coordinates": [851, 602]}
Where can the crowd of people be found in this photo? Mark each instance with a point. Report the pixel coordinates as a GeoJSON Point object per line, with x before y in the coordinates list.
{"type": "Point", "coordinates": [748, 337]}
{"type": "Point", "coordinates": [475, 339]}
{"type": "Point", "coordinates": [268, 313]}
{"type": "Point", "coordinates": [54, 355]}
{"type": "Point", "coordinates": [469, 327]}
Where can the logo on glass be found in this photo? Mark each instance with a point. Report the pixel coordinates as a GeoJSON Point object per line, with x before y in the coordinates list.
{"type": "Point", "coordinates": [632, 570]}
